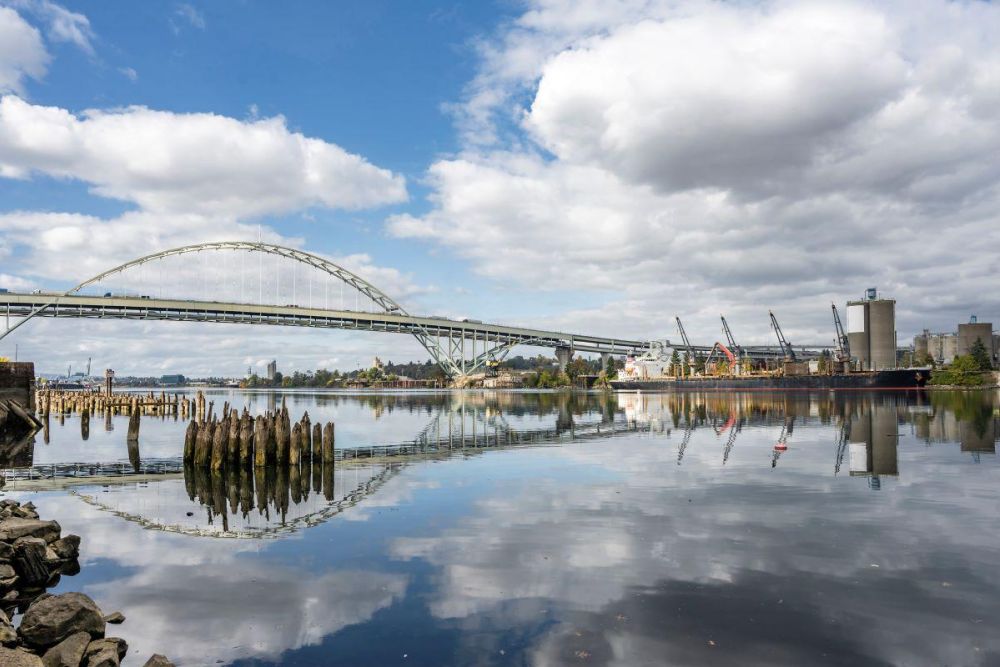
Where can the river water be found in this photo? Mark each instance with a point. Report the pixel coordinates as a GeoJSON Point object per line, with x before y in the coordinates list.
{"type": "Point", "coordinates": [551, 529]}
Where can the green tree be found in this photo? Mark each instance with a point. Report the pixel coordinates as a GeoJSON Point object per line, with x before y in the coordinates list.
{"type": "Point", "coordinates": [610, 371]}
{"type": "Point", "coordinates": [675, 363]}
{"type": "Point", "coordinates": [699, 363]}
{"type": "Point", "coordinates": [980, 355]}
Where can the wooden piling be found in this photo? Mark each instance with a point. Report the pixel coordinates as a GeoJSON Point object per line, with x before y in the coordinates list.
{"type": "Point", "coordinates": [317, 442]}
{"type": "Point", "coordinates": [260, 442]}
{"type": "Point", "coordinates": [219, 445]}
{"type": "Point", "coordinates": [133, 426]}
{"type": "Point", "coordinates": [306, 437]}
{"type": "Point", "coordinates": [295, 445]}
{"type": "Point", "coordinates": [189, 439]}
{"type": "Point", "coordinates": [203, 445]}
{"type": "Point", "coordinates": [328, 444]}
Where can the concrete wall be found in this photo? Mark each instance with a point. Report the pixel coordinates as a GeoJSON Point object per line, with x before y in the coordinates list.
{"type": "Point", "coordinates": [17, 381]}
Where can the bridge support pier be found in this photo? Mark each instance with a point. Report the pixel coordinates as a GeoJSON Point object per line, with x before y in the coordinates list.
{"type": "Point", "coordinates": [605, 356]}
{"type": "Point", "coordinates": [563, 355]}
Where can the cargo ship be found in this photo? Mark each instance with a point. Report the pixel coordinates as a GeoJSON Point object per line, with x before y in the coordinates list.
{"type": "Point", "coordinates": [902, 378]}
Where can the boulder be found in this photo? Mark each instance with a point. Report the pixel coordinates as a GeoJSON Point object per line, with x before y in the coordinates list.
{"type": "Point", "coordinates": [50, 620]}
{"type": "Point", "coordinates": [69, 652]}
{"type": "Point", "coordinates": [29, 561]}
{"type": "Point", "coordinates": [15, 657]}
{"type": "Point", "coordinates": [6, 552]}
{"type": "Point", "coordinates": [15, 527]}
{"type": "Point", "coordinates": [115, 618]}
{"type": "Point", "coordinates": [106, 652]}
{"type": "Point", "coordinates": [67, 547]}
{"type": "Point", "coordinates": [8, 635]}
{"type": "Point", "coordinates": [157, 660]}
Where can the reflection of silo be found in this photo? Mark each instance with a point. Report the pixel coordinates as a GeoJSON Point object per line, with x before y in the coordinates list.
{"type": "Point", "coordinates": [872, 442]}
{"type": "Point", "coordinates": [885, 436]}
{"type": "Point", "coordinates": [858, 439]}
{"type": "Point", "coordinates": [871, 332]}
{"type": "Point", "coordinates": [970, 332]}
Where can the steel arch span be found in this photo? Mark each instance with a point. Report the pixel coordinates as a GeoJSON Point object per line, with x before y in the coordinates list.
{"type": "Point", "coordinates": [444, 339]}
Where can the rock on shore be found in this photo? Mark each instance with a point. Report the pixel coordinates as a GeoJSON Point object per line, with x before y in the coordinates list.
{"type": "Point", "coordinates": [64, 630]}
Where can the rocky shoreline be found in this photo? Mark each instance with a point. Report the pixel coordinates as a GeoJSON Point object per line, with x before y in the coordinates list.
{"type": "Point", "coordinates": [66, 630]}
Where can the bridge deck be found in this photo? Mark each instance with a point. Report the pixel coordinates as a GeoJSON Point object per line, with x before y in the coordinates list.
{"type": "Point", "coordinates": [140, 308]}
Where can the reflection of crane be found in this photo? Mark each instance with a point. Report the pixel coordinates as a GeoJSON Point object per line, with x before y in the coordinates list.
{"type": "Point", "coordinates": [841, 442]}
{"type": "Point", "coordinates": [687, 343]}
{"type": "Point", "coordinates": [786, 348]}
{"type": "Point", "coordinates": [731, 441]}
{"type": "Point", "coordinates": [843, 344]}
{"type": "Point", "coordinates": [684, 442]}
{"type": "Point", "coordinates": [782, 444]}
{"type": "Point", "coordinates": [729, 337]}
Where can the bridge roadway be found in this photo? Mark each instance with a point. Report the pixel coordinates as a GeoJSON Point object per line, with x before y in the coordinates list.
{"type": "Point", "coordinates": [14, 304]}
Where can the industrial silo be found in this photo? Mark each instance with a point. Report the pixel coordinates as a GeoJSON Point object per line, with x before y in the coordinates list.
{"type": "Point", "coordinates": [882, 334]}
{"type": "Point", "coordinates": [972, 331]}
{"type": "Point", "coordinates": [857, 331]}
{"type": "Point", "coordinates": [871, 332]}
{"type": "Point", "coordinates": [920, 346]}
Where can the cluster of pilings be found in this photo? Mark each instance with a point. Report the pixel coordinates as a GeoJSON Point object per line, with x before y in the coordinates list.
{"type": "Point", "coordinates": [58, 402]}
{"type": "Point", "coordinates": [243, 440]}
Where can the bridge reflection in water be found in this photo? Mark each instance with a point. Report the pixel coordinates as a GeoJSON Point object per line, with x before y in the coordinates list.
{"type": "Point", "coordinates": [861, 430]}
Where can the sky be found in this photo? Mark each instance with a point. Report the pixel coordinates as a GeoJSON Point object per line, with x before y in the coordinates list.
{"type": "Point", "coordinates": [590, 166]}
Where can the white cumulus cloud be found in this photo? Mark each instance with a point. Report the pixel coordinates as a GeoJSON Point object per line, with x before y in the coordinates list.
{"type": "Point", "coordinates": [725, 156]}
{"type": "Point", "coordinates": [22, 53]}
{"type": "Point", "coordinates": [189, 163]}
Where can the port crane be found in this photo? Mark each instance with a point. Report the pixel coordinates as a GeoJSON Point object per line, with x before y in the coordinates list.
{"type": "Point", "coordinates": [786, 348]}
{"type": "Point", "coordinates": [737, 350]}
{"type": "Point", "coordinates": [843, 344]}
{"type": "Point", "coordinates": [687, 343]}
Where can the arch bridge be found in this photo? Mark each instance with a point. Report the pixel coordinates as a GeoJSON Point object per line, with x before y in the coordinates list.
{"type": "Point", "coordinates": [459, 347]}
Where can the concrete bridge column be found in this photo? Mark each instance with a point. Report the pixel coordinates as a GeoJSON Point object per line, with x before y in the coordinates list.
{"type": "Point", "coordinates": [563, 355]}
{"type": "Point", "coordinates": [604, 359]}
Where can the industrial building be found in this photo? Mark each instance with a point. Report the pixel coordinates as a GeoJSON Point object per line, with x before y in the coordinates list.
{"type": "Point", "coordinates": [943, 348]}
{"type": "Point", "coordinates": [871, 332]}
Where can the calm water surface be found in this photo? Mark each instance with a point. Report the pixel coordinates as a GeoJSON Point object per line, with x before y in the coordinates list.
{"type": "Point", "coordinates": [556, 529]}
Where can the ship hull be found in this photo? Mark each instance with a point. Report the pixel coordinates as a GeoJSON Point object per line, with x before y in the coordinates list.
{"type": "Point", "coordinates": [891, 379]}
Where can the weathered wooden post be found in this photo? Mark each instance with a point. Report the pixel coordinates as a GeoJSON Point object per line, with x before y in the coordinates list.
{"type": "Point", "coordinates": [282, 439]}
{"type": "Point", "coordinates": [133, 426]}
{"type": "Point", "coordinates": [246, 440]}
{"type": "Point", "coordinates": [295, 445]}
{"type": "Point", "coordinates": [306, 437]}
{"type": "Point", "coordinates": [272, 442]}
{"type": "Point", "coordinates": [233, 444]}
{"type": "Point", "coordinates": [203, 445]}
{"type": "Point", "coordinates": [317, 443]}
{"type": "Point", "coordinates": [260, 442]}
{"type": "Point", "coordinates": [219, 445]}
{"type": "Point", "coordinates": [328, 444]}
{"type": "Point", "coordinates": [189, 439]}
